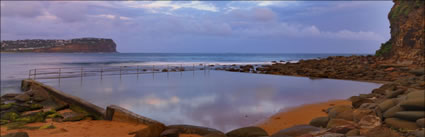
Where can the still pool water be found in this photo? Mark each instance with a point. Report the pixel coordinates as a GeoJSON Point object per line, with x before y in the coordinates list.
{"type": "Point", "coordinates": [217, 99]}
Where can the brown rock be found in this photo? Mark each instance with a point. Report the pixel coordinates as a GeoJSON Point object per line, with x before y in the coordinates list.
{"type": "Point", "coordinates": [22, 98]}
{"type": "Point", "coordinates": [247, 132]}
{"type": "Point", "coordinates": [385, 105]}
{"type": "Point", "coordinates": [353, 132]}
{"type": "Point", "coordinates": [382, 132]}
{"type": "Point", "coordinates": [296, 131]}
{"type": "Point", "coordinates": [369, 122]}
{"type": "Point", "coordinates": [391, 112]}
{"type": "Point", "coordinates": [170, 133]}
{"type": "Point", "coordinates": [421, 122]}
{"type": "Point", "coordinates": [358, 114]}
{"type": "Point", "coordinates": [401, 124]}
{"type": "Point", "coordinates": [340, 122]}
{"type": "Point", "coordinates": [357, 101]}
{"type": "Point", "coordinates": [341, 112]}
{"type": "Point", "coordinates": [319, 122]}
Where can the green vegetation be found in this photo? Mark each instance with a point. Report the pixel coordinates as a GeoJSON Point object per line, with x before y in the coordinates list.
{"type": "Point", "coordinates": [403, 9]}
{"type": "Point", "coordinates": [12, 116]}
{"type": "Point", "coordinates": [51, 126]}
{"type": "Point", "coordinates": [6, 106]}
{"type": "Point", "coordinates": [2, 122]}
{"type": "Point", "coordinates": [384, 50]}
{"type": "Point", "coordinates": [19, 125]}
{"type": "Point", "coordinates": [36, 106]}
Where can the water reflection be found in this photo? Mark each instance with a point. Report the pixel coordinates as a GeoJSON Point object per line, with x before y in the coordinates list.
{"type": "Point", "coordinates": [222, 100]}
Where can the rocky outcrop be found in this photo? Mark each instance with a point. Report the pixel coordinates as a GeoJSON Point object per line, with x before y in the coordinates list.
{"type": "Point", "coordinates": [406, 45]}
{"type": "Point", "coordinates": [73, 45]}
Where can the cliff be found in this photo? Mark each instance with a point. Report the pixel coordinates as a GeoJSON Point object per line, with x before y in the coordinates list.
{"type": "Point", "coordinates": [73, 45]}
{"type": "Point", "coordinates": [406, 45]}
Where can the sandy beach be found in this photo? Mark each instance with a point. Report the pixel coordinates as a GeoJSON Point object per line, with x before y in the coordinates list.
{"type": "Point", "coordinates": [298, 115]}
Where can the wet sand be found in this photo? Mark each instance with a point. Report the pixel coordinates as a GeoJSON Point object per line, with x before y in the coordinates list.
{"type": "Point", "coordinates": [84, 128]}
{"type": "Point", "coordinates": [298, 115]}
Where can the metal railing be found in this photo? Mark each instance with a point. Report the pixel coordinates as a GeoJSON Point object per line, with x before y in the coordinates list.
{"type": "Point", "coordinates": [73, 72]}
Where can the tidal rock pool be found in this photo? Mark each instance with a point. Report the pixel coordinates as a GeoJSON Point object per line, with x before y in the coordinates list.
{"type": "Point", "coordinates": [217, 99]}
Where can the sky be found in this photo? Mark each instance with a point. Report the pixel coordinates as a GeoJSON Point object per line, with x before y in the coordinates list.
{"type": "Point", "coordinates": [206, 26]}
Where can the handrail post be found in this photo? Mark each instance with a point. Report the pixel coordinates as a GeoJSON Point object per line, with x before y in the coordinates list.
{"type": "Point", "coordinates": [81, 72]}
{"type": "Point", "coordinates": [120, 71]}
{"type": "Point", "coordinates": [35, 73]}
{"type": "Point", "coordinates": [59, 73]}
{"type": "Point", "coordinates": [101, 72]}
{"type": "Point", "coordinates": [29, 74]}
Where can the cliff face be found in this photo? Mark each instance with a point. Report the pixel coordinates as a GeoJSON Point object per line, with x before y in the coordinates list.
{"type": "Point", "coordinates": [73, 45]}
{"type": "Point", "coordinates": [406, 45]}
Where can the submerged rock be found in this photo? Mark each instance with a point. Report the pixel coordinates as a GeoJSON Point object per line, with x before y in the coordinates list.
{"type": "Point", "coordinates": [247, 132]}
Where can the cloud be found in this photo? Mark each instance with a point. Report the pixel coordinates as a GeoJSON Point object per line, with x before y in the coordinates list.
{"type": "Point", "coordinates": [167, 6]}
{"type": "Point", "coordinates": [21, 8]}
{"type": "Point", "coordinates": [255, 14]}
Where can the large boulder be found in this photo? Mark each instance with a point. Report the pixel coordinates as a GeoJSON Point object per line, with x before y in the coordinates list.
{"type": "Point", "coordinates": [358, 114]}
{"type": "Point", "coordinates": [170, 133]}
{"type": "Point", "coordinates": [401, 124]}
{"type": "Point", "coordinates": [356, 101]}
{"type": "Point", "coordinates": [414, 104]}
{"type": "Point", "coordinates": [16, 134]}
{"type": "Point", "coordinates": [393, 94]}
{"type": "Point", "coordinates": [341, 112]}
{"type": "Point", "coordinates": [391, 112]}
{"type": "Point", "coordinates": [340, 122]}
{"type": "Point", "coordinates": [369, 122]}
{"type": "Point", "coordinates": [386, 104]}
{"type": "Point", "coordinates": [421, 122]}
{"type": "Point", "coordinates": [73, 116]}
{"type": "Point", "coordinates": [415, 94]}
{"type": "Point", "coordinates": [319, 122]}
{"type": "Point", "coordinates": [410, 115]}
{"type": "Point", "coordinates": [296, 131]}
{"type": "Point", "coordinates": [247, 132]}
{"type": "Point", "coordinates": [22, 97]}
{"type": "Point", "coordinates": [153, 130]}
{"type": "Point", "coordinates": [190, 129]}
{"type": "Point", "coordinates": [381, 132]}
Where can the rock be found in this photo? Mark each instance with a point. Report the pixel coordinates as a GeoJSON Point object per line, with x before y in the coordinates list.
{"type": "Point", "coordinates": [413, 104]}
{"type": "Point", "coordinates": [356, 101]}
{"type": "Point", "coordinates": [401, 124]}
{"type": "Point", "coordinates": [391, 112]}
{"type": "Point", "coordinates": [421, 122]}
{"type": "Point", "coordinates": [296, 131]}
{"type": "Point", "coordinates": [189, 129]}
{"type": "Point", "coordinates": [332, 135]}
{"type": "Point", "coordinates": [417, 72]}
{"type": "Point", "coordinates": [358, 114]}
{"type": "Point", "coordinates": [247, 132]}
{"type": "Point", "coordinates": [215, 135]}
{"type": "Point", "coordinates": [368, 106]}
{"type": "Point", "coordinates": [381, 132]}
{"type": "Point", "coordinates": [16, 134]}
{"type": "Point", "coordinates": [353, 132]}
{"type": "Point", "coordinates": [410, 115]}
{"type": "Point", "coordinates": [22, 97]}
{"type": "Point", "coordinates": [385, 105]}
{"type": "Point", "coordinates": [369, 122]}
{"type": "Point", "coordinates": [6, 106]}
{"type": "Point", "coordinates": [341, 112]}
{"type": "Point", "coordinates": [153, 130]}
{"type": "Point", "coordinates": [170, 133]}
{"type": "Point", "coordinates": [73, 116]}
{"type": "Point", "coordinates": [339, 122]}
{"type": "Point", "coordinates": [10, 96]}
{"type": "Point", "coordinates": [394, 94]}
{"type": "Point", "coordinates": [419, 133]}
{"type": "Point", "coordinates": [319, 122]}
{"type": "Point", "coordinates": [415, 94]}
{"type": "Point", "coordinates": [341, 129]}
{"type": "Point", "coordinates": [12, 116]}
{"type": "Point", "coordinates": [38, 95]}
